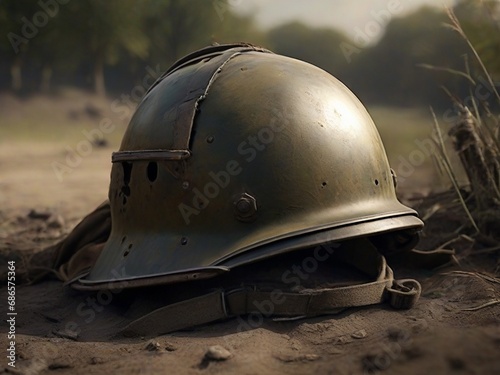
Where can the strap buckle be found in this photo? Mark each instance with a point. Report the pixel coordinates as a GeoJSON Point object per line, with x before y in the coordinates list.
{"type": "Point", "coordinates": [404, 294]}
{"type": "Point", "coordinates": [224, 294]}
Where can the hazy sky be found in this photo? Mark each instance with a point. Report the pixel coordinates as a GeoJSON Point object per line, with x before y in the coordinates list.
{"type": "Point", "coordinates": [345, 15]}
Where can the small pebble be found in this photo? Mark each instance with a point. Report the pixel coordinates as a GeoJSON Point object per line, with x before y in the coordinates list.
{"type": "Point", "coordinates": [361, 334]}
{"type": "Point", "coordinates": [153, 346]}
{"type": "Point", "coordinates": [59, 365]}
{"type": "Point", "coordinates": [287, 358]}
{"type": "Point", "coordinates": [96, 360]}
{"type": "Point", "coordinates": [71, 335]}
{"type": "Point", "coordinates": [169, 347]}
{"type": "Point", "coordinates": [40, 215]}
{"type": "Point", "coordinates": [311, 357]}
{"type": "Point", "coordinates": [56, 222]}
{"type": "Point", "coordinates": [217, 353]}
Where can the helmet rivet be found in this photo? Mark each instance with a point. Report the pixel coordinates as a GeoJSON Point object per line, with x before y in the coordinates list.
{"type": "Point", "coordinates": [185, 185]}
{"type": "Point", "coordinates": [210, 139]}
{"type": "Point", "coordinates": [245, 207]}
{"type": "Point", "coordinates": [184, 241]}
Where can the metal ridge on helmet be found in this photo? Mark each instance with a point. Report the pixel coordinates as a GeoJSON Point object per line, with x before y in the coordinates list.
{"type": "Point", "coordinates": [237, 154]}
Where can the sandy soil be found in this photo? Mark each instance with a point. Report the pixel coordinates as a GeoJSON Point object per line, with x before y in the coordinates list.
{"type": "Point", "coordinates": [452, 330]}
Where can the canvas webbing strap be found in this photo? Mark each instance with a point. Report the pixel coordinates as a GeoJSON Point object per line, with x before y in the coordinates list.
{"type": "Point", "coordinates": [222, 304]}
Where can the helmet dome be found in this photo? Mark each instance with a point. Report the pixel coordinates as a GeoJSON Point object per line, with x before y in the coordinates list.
{"type": "Point", "coordinates": [237, 154]}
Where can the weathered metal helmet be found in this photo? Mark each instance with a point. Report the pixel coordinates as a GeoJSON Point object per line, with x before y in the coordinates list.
{"type": "Point", "coordinates": [237, 154]}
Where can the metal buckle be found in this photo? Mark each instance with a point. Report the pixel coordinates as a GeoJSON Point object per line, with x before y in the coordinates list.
{"type": "Point", "coordinates": [404, 294]}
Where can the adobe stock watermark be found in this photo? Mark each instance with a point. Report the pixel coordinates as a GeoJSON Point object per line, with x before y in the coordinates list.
{"type": "Point", "coordinates": [122, 108]}
{"type": "Point", "coordinates": [30, 28]}
{"type": "Point", "coordinates": [218, 181]}
{"type": "Point", "coordinates": [223, 6]}
{"type": "Point", "coordinates": [372, 30]}
{"type": "Point", "coordinates": [427, 147]}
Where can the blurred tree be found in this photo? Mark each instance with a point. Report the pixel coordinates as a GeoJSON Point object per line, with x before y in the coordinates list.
{"type": "Point", "coordinates": [389, 72]}
{"type": "Point", "coordinates": [17, 30]}
{"type": "Point", "coordinates": [239, 28]}
{"type": "Point", "coordinates": [480, 20]}
{"type": "Point", "coordinates": [176, 28]}
{"type": "Point", "coordinates": [118, 38]}
{"type": "Point", "coordinates": [103, 30]}
{"type": "Point", "coordinates": [319, 46]}
{"type": "Point", "coordinates": [50, 34]}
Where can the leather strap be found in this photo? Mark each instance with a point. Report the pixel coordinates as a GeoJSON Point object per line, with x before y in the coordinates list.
{"type": "Point", "coordinates": [192, 312]}
{"type": "Point", "coordinates": [423, 259]}
{"type": "Point", "coordinates": [222, 304]}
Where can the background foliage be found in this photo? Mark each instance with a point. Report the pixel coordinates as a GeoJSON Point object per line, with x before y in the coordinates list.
{"type": "Point", "coordinates": [105, 46]}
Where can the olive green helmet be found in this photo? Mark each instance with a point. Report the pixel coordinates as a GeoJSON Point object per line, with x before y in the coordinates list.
{"type": "Point", "coordinates": [237, 154]}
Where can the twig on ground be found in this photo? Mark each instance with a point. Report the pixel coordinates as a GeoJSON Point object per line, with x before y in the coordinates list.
{"type": "Point", "coordinates": [487, 304]}
{"type": "Point", "coordinates": [473, 274]}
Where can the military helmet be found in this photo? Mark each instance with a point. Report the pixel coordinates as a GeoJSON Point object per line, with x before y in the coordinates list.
{"type": "Point", "coordinates": [237, 154]}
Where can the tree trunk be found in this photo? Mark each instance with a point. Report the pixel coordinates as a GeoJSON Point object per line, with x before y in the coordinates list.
{"type": "Point", "coordinates": [480, 157]}
{"type": "Point", "coordinates": [46, 77]}
{"type": "Point", "coordinates": [479, 160]}
{"type": "Point", "coordinates": [100, 87]}
{"type": "Point", "coordinates": [16, 76]}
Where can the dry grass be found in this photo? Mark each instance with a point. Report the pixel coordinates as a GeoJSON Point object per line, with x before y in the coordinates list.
{"type": "Point", "coordinates": [475, 137]}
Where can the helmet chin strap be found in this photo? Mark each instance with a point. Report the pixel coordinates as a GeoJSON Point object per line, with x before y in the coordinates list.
{"type": "Point", "coordinates": [226, 303]}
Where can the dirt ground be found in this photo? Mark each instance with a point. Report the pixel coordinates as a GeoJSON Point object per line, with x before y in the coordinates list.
{"type": "Point", "coordinates": [454, 329]}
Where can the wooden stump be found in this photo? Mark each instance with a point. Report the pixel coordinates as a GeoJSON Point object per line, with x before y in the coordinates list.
{"type": "Point", "coordinates": [479, 155]}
